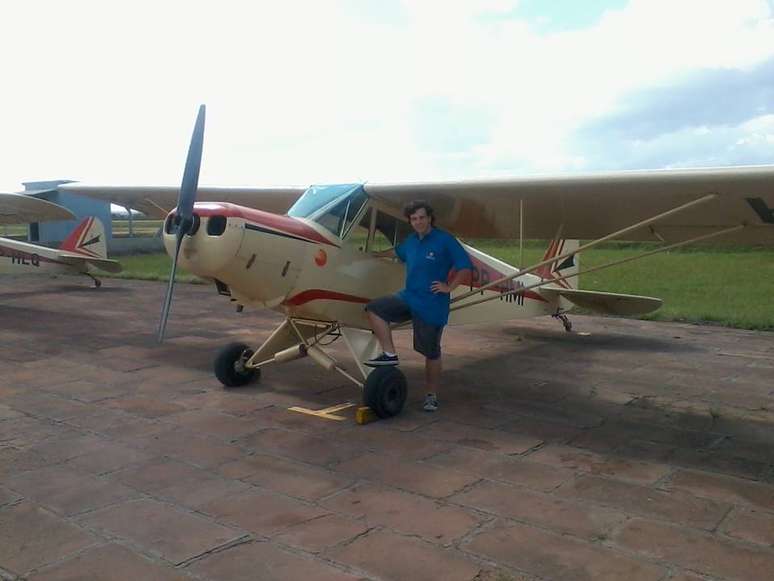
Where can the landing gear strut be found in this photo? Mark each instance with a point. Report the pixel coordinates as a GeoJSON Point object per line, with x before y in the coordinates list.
{"type": "Point", "coordinates": [384, 389]}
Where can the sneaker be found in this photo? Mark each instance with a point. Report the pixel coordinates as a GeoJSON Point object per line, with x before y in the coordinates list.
{"type": "Point", "coordinates": [431, 403]}
{"type": "Point", "coordinates": [382, 360]}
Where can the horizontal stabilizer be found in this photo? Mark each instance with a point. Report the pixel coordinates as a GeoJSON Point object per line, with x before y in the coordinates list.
{"type": "Point", "coordinates": [606, 303]}
{"type": "Point", "coordinates": [106, 264]}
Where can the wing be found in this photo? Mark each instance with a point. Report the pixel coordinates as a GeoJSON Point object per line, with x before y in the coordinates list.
{"type": "Point", "coordinates": [157, 201]}
{"type": "Point", "coordinates": [22, 209]}
{"type": "Point", "coordinates": [594, 205]}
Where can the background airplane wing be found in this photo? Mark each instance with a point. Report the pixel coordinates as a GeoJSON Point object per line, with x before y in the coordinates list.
{"type": "Point", "coordinates": [22, 209]}
{"type": "Point", "coordinates": [593, 205]}
{"type": "Point", "coordinates": [157, 201]}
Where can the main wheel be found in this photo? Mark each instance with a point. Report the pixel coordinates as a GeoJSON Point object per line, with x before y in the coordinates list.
{"type": "Point", "coordinates": [385, 391]}
{"type": "Point", "coordinates": [230, 365]}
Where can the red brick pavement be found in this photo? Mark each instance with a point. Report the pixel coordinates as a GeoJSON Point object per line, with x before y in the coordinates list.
{"type": "Point", "coordinates": [641, 451]}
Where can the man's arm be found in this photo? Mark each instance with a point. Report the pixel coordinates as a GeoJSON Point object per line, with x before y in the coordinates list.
{"type": "Point", "coordinates": [442, 287]}
{"type": "Point", "coordinates": [462, 264]}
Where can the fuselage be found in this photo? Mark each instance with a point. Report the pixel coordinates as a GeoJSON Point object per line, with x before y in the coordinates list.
{"type": "Point", "coordinates": [299, 267]}
{"type": "Point", "coordinates": [18, 257]}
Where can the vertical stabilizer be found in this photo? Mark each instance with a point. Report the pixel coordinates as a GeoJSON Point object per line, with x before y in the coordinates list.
{"type": "Point", "coordinates": [88, 239]}
{"type": "Point", "coordinates": [568, 266]}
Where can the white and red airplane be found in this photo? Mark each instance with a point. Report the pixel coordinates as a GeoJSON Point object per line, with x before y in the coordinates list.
{"type": "Point", "coordinates": [84, 248]}
{"type": "Point", "coordinates": [307, 252]}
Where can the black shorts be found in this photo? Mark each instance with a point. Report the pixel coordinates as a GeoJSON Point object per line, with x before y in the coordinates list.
{"type": "Point", "coordinates": [393, 309]}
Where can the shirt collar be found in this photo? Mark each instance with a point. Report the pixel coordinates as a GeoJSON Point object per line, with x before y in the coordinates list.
{"type": "Point", "coordinates": [428, 235]}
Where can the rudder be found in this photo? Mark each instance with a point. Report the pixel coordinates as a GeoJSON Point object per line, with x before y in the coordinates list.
{"type": "Point", "coordinates": [568, 266]}
{"type": "Point", "coordinates": [87, 239]}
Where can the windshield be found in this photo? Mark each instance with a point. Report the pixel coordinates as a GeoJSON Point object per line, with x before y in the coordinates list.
{"type": "Point", "coordinates": [316, 197]}
{"type": "Point", "coordinates": [333, 207]}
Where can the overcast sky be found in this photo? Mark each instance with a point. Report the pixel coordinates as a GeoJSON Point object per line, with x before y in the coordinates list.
{"type": "Point", "coordinates": [353, 90]}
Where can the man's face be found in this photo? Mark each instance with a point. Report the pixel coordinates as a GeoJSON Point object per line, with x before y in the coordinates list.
{"type": "Point", "coordinates": [420, 221]}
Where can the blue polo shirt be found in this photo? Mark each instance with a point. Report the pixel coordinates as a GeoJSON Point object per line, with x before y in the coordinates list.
{"type": "Point", "coordinates": [428, 260]}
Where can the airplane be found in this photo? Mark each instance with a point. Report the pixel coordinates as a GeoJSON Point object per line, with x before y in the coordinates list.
{"type": "Point", "coordinates": [306, 252]}
{"type": "Point", "coordinates": [84, 247]}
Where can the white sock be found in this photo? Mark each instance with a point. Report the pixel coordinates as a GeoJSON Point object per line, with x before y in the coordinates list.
{"type": "Point", "coordinates": [388, 354]}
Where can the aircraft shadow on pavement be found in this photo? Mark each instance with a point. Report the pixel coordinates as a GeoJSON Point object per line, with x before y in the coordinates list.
{"type": "Point", "coordinates": [597, 340]}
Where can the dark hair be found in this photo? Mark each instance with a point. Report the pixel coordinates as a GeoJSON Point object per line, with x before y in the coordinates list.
{"type": "Point", "coordinates": [412, 207]}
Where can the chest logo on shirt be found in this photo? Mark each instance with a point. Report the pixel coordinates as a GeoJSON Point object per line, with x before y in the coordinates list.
{"type": "Point", "coordinates": [430, 255]}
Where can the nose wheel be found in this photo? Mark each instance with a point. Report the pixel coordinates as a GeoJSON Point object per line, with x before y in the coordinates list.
{"type": "Point", "coordinates": [385, 391]}
{"type": "Point", "coordinates": [230, 366]}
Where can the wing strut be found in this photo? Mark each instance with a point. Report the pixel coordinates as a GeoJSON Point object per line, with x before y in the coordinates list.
{"type": "Point", "coordinates": [600, 267]}
{"type": "Point", "coordinates": [557, 259]}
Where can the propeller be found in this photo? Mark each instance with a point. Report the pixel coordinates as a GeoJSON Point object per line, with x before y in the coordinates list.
{"type": "Point", "coordinates": [184, 219]}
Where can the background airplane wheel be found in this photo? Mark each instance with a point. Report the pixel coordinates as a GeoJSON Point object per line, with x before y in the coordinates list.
{"type": "Point", "coordinates": [229, 365]}
{"type": "Point", "coordinates": [385, 391]}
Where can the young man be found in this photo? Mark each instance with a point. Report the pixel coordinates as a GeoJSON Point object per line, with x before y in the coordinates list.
{"type": "Point", "coordinates": [429, 254]}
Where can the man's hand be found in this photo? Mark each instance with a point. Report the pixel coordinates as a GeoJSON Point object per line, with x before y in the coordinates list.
{"type": "Point", "coordinates": [442, 287]}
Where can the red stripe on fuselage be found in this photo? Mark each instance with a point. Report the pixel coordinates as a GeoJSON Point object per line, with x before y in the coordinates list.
{"type": "Point", "coordinates": [316, 294]}
{"type": "Point", "coordinates": [282, 224]}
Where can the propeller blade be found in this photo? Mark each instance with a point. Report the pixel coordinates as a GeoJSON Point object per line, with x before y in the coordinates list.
{"type": "Point", "coordinates": [170, 289]}
{"type": "Point", "coordinates": [193, 162]}
{"type": "Point", "coordinates": [184, 218]}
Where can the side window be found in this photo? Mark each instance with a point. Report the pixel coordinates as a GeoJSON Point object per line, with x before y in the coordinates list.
{"type": "Point", "coordinates": [390, 231]}
{"type": "Point", "coordinates": [358, 234]}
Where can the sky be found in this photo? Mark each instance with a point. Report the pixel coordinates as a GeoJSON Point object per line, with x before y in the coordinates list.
{"type": "Point", "coordinates": [386, 90]}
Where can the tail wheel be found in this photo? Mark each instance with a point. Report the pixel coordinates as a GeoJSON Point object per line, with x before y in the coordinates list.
{"type": "Point", "coordinates": [385, 391]}
{"type": "Point", "coordinates": [565, 321]}
{"type": "Point", "coordinates": [230, 365]}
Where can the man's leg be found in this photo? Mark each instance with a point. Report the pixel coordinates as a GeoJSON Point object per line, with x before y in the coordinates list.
{"type": "Point", "coordinates": [380, 313]}
{"type": "Point", "coordinates": [381, 329]}
{"type": "Point", "coordinates": [433, 375]}
{"type": "Point", "coordinates": [427, 341]}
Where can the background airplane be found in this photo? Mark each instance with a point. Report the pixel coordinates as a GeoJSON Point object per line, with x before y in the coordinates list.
{"type": "Point", "coordinates": [313, 264]}
{"type": "Point", "coordinates": [84, 248]}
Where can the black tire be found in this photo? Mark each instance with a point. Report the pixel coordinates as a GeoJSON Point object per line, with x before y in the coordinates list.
{"type": "Point", "coordinates": [227, 365]}
{"type": "Point", "coordinates": [385, 391]}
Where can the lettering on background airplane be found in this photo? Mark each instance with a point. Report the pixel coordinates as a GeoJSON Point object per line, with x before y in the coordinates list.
{"type": "Point", "coordinates": [84, 247]}
{"type": "Point", "coordinates": [305, 252]}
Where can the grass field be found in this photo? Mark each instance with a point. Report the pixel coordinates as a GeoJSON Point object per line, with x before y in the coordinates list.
{"type": "Point", "coordinates": [731, 287]}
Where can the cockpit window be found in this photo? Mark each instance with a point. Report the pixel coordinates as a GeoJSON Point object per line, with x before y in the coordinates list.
{"type": "Point", "coordinates": [333, 207]}
{"type": "Point", "coordinates": [340, 217]}
{"type": "Point", "coordinates": [317, 197]}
